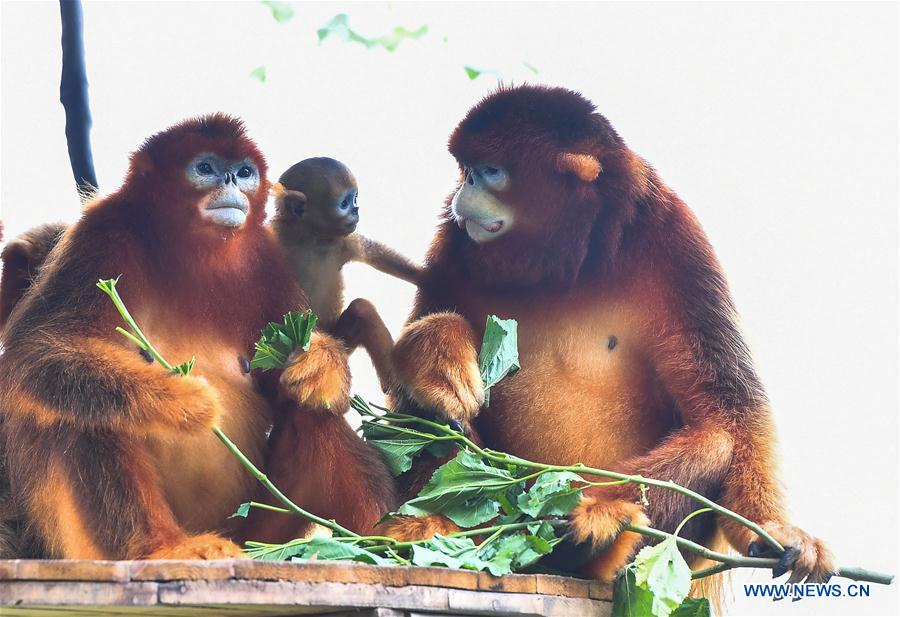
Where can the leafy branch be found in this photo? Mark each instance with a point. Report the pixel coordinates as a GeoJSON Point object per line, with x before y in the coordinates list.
{"type": "Point", "coordinates": [277, 342]}
{"type": "Point", "coordinates": [525, 500]}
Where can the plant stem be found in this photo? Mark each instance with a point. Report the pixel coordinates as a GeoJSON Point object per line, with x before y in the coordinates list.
{"type": "Point", "coordinates": [264, 480]}
{"type": "Point", "coordinates": [109, 288]}
{"type": "Point", "coordinates": [729, 562]}
{"type": "Point", "coordinates": [504, 458]}
{"type": "Point", "coordinates": [689, 517]}
{"type": "Point", "coordinates": [265, 506]}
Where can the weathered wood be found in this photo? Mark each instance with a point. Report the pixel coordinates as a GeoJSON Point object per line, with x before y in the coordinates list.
{"type": "Point", "coordinates": [241, 588]}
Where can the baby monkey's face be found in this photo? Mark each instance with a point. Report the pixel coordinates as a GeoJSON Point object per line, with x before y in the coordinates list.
{"type": "Point", "coordinates": [319, 198]}
{"type": "Point", "coordinates": [339, 211]}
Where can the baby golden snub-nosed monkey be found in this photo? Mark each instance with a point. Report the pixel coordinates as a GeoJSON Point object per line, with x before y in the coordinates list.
{"type": "Point", "coordinates": [315, 223]}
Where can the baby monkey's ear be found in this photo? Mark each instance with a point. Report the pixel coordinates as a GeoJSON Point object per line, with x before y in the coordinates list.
{"type": "Point", "coordinates": [288, 201]}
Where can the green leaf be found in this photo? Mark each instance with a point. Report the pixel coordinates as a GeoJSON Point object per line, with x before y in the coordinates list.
{"type": "Point", "coordinates": [279, 340]}
{"type": "Point", "coordinates": [339, 27]}
{"type": "Point", "coordinates": [397, 449]}
{"type": "Point", "coordinates": [259, 73]}
{"type": "Point", "coordinates": [693, 607]}
{"type": "Point", "coordinates": [514, 551]}
{"type": "Point", "coordinates": [629, 600]}
{"type": "Point", "coordinates": [463, 490]}
{"type": "Point", "coordinates": [317, 548]}
{"type": "Point", "coordinates": [242, 511]}
{"type": "Point", "coordinates": [473, 73]}
{"type": "Point", "coordinates": [551, 495]}
{"type": "Point", "coordinates": [281, 11]}
{"type": "Point", "coordinates": [424, 556]}
{"type": "Point", "coordinates": [661, 570]}
{"type": "Point", "coordinates": [499, 354]}
{"type": "Point", "coordinates": [185, 367]}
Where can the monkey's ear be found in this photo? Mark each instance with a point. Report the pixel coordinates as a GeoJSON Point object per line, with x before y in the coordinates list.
{"type": "Point", "coordinates": [585, 166]}
{"type": "Point", "coordinates": [288, 201]}
{"type": "Point", "coordinates": [142, 163]}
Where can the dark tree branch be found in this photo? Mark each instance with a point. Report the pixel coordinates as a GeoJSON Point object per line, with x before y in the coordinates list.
{"type": "Point", "coordinates": [73, 94]}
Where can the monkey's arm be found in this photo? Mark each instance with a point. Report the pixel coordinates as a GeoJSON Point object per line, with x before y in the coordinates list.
{"type": "Point", "coordinates": [382, 257]}
{"type": "Point", "coordinates": [724, 450]}
{"type": "Point", "coordinates": [436, 365]}
{"type": "Point", "coordinates": [92, 383]}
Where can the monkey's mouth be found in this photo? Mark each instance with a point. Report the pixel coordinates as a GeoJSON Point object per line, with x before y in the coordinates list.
{"type": "Point", "coordinates": [226, 215]}
{"type": "Point", "coordinates": [479, 231]}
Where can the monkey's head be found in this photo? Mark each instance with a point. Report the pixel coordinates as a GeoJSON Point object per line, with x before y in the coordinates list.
{"type": "Point", "coordinates": [540, 169]}
{"type": "Point", "coordinates": [316, 197]}
{"type": "Point", "coordinates": [206, 173]}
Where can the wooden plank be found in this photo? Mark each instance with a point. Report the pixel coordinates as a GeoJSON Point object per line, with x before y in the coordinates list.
{"type": "Point", "coordinates": [601, 591]}
{"type": "Point", "coordinates": [334, 572]}
{"type": "Point", "coordinates": [443, 577]}
{"type": "Point", "coordinates": [524, 604]}
{"type": "Point", "coordinates": [71, 593]}
{"type": "Point", "coordinates": [166, 570]}
{"type": "Point", "coordinates": [563, 586]}
{"type": "Point", "coordinates": [70, 570]}
{"type": "Point", "coordinates": [511, 583]}
{"type": "Point", "coordinates": [343, 596]}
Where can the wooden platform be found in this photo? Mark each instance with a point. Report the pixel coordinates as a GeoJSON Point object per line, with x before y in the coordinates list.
{"type": "Point", "coordinates": [235, 588]}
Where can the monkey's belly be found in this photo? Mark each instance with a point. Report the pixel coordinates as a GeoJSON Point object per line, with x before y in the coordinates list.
{"type": "Point", "coordinates": [596, 410]}
{"type": "Point", "coordinates": [202, 480]}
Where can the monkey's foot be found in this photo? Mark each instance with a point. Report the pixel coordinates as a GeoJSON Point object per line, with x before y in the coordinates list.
{"type": "Point", "coordinates": [436, 362]}
{"type": "Point", "coordinates": [805, 556]}
{"type": "Point", "coordinates": [410, 528]}
{"type": "Point", "coordinates": [319, 378]}
{"type": "Point", "coordinates": [599, 525]}
{"type": "Point", "coordinates": [205, 546]}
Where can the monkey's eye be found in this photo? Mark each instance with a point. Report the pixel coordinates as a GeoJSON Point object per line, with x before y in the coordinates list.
{"type": "Point", "coordinates": [345, 203]}
{"type": "Point", "coordinates": [204, 169]}
{"type": "Point", "coordinates": [244, 172]}
{"type": "Point", "coordinates": [490, 171]}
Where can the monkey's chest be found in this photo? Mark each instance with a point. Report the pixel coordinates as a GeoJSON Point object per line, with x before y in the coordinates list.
{"type": "Point", "coordinates": [322, 282]}
{"type": "Point", "coordinates": [585, 392]}
{"type": "Point", "coordinates": [203, 481]}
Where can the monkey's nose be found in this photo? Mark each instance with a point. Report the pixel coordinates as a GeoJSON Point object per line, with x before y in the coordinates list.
{"type": "Point", "coordinates": [355, 210]}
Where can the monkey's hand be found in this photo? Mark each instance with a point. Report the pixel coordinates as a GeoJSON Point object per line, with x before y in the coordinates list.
{"type": "Point", "coordinates": [596, 528]}
{"type": "Point", "coordinates": [436, 364]}
{"type": "Point", "coordinates": [195, 405]}
{"type": "Point", "coordinates": [319, 378]}
{"type": "Point", "coordinates": [805, 556]}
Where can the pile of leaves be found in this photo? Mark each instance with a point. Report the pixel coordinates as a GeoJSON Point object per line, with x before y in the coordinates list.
{"type": "Point", "coordinates": [511, 511]}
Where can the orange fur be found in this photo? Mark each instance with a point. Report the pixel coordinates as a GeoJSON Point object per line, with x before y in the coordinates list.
{"type": "Point", "coordinates": [410, 528]}
{"type": "Point", "coordinates": [109, 455]}
{"type": "Point", "coordinates": [319, 377]}
{"type": "Point", "coordinates": [436, 358]}
{"type": "Point", "coordinates": [585, 166]}
{"type": "Point", "coordinates": [631, 358]}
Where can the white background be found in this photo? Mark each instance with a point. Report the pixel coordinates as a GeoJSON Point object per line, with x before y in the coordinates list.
{"type": "Point", "coordinates": [777, 123]}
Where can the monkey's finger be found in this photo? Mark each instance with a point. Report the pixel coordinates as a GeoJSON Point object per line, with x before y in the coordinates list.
{"type": "Point", "coordinates": [758, 548]}
{"type": "Point", "coordinates": [457, 426]}
{"type": "Point", "coordinates": [788, 558]}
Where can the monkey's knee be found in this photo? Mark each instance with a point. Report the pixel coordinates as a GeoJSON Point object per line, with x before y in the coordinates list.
{"type": "Point", "coordinates": [360, 324]}
{"type": "Point", "coordinates": [356, 321]}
